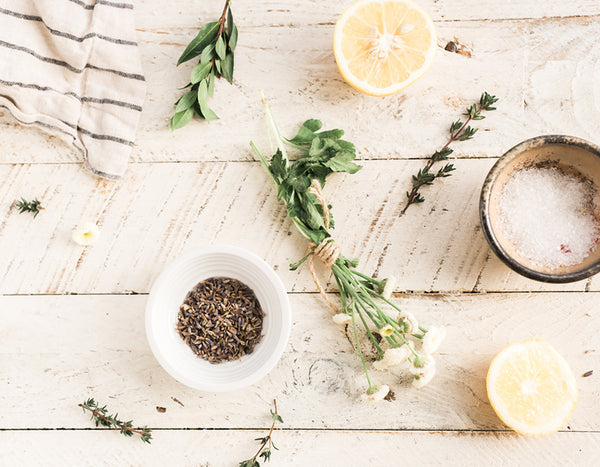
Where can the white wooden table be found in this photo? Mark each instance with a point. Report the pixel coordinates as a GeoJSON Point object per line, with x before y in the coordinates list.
{"type": "Point", "coordinates": [72, 318]}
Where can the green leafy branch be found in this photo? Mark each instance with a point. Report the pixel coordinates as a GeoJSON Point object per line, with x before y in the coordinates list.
{"type": "Point", "coordinates": [100, 416]}
{"type": "Point", "coordinates": [214, 44]}
{"type": "Point", "coordinates": [29, 206]}
{"type": "Point", "coordinates": [266, 443]}
{"type": "Point", "coordinates": [459, 131]}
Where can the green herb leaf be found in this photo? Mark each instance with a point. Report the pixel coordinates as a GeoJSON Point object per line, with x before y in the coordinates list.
{"type": "Point", "coordinates": [343, 163]}
{"type": "Point", "coordinates": [207, 53]}
{"type": "Point", "coordinates": [232, 31]}
{"type": "Point", "coordinates": [220, 48]}
{"type": "Point", "coordinates": [206, 35]}
{"type": "Point", "coordinates": [211, 83]}
{"type": "Point", "coordinates": [207, 113]}
{"type": "Point", "coordinates": [181, 119]}
{"type": "Point", "coordinates": [227, 67]}
{"type": "Point", "coordinates": [306, 132]}
{"type": "Point", "coordinates": [218, 66]}
{"type": "Point", "coordinates": [185, 101]}
{"type": "Point", "coordinates": [200, 72]}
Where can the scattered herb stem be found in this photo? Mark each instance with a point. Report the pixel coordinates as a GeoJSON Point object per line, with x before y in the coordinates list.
{"type": "Point", "coordinates": [215, 44]}
{"type": "Point", "coordinates": [100, 416]}
{"type": "Point", "coordinates": [266, 443]}
{"type": "Point", "coordinates": [459, 131]}
{"type": "Point", "coordinates": [33, 207]}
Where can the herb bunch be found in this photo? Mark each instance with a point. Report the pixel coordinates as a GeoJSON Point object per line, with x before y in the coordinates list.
{"type": "Point", "coordinates": [215, 44]}
{"type": "Point", "coordinates": [266, 443]}
{"type": "Point", "coordinates": [29, 206]}
{"type": "Point", "coordinates": [363, 298]}
{"type": "Point", "coordinates": [459, 131]}
{"type": "Point", "coordinates": [100, 416]}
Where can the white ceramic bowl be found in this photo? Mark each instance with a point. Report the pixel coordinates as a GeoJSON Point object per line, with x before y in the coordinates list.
{"type": "Point", "coordinates": [171, 288]}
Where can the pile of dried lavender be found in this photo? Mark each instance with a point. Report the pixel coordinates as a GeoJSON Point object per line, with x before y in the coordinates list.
{"type": "Point", "coordinates": [220, 319]}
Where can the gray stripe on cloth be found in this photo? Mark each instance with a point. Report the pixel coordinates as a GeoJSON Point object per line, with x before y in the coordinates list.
{"type": "Point", "coordinates": [87, 6]}
{"type": "Point", "coordinates": [99, 173]}
{"type": "Point", "coordinates": [65, 34]}
{"type": "Point", "coordinates": [115, 139]}
{"type": "Point", "coordinates": [67, 65]}
{"type": "Point", "coordinates": [95, 100]}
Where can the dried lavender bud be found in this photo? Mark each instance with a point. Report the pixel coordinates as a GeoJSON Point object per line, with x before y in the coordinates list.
{"type": "Point", "coordinates": [220, 319]}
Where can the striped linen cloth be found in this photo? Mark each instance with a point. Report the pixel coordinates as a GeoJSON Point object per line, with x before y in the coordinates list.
{"type": "Point", "coordinates": [73, 66]}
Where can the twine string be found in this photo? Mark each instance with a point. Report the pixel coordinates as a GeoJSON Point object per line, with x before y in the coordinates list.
{"type": "Point", "coordinates": [327, 251]}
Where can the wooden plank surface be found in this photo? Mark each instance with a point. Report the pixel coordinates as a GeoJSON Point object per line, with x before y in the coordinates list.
{"type": "Point", "coordinates": [544, 72]}
{"type": "Point", "coordinates": [200, 185]}
{"type": "Point", "coordinates": [159, 210]}
{"type": "Point", "coordinates": [298, 448]}
{"type": "Point", "coordinates": [59, 350]}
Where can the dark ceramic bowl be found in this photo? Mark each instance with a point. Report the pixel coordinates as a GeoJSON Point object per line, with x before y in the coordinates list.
{"type": "Point", "coordinates": [567, 153]}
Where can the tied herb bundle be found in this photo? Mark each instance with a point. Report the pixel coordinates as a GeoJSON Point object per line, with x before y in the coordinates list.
{"type": "Point", "coordinates": [396, 335]}
{"type": "Point", "coordinates": [214, 44]}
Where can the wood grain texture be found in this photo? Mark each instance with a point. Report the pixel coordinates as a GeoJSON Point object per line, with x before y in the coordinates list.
{"type": "Point", "coordinates": [546, 73]}
{"type": "Point", "coordinates": [159, 210]}
{"type": "Point", "coordinates": [298, 448]}
{"type": "Point", "coordinates": [57, 351]}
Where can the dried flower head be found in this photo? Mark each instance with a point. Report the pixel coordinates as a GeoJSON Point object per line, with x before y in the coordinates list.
{"type": "Point", "coordinates": [387, 287]}
{"type": "Point", "coordinates": [342, 318]}
{"type": "Point", "coordinates": [375, 393]}
{"type": "Point", "coordinates": [407, 322]}
{"type": "Point", "coordinates": [86, 234]}
{"type": "Point", "coordinates": [393, 357]}
{"type": "Point", "coordinates": [433, 339]}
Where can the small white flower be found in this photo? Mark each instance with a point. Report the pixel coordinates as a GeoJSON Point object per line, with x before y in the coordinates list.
{"type": "Point", "coordinates": [388, 287]}
{"type": "Point", "coordinates": [376, 393]}
{"type": "Point", "coordinates": [433, 338]}
{"type": "Point", "coordinates": [393, 357]}
{"type": "Point", "coordinates": [422, 364]}
{"type": "Point", "coordinates": [386, 330]}
{"type": "Point", "coordinates": [424, 379]}
{"type": "Point", "coordinates": [408, 323]}
{"type": "Point", "coordinates": [342, 318]}
{"type": "Point", "coordinates": [86, 234]}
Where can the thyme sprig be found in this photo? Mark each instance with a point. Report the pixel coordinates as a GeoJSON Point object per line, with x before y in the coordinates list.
{"type": "Point", "coordinates": [266, 443]}
{"type": "Point", "coordinates": [363, 298]}
{"type": "Point", "coordinates": [33, 207]}
{"type": "Point", "coordinates": [459, 131]}
{"type": "Point", "coordinates": [100, 416]}
{"type": "Point", "coordinates": [214, 44]}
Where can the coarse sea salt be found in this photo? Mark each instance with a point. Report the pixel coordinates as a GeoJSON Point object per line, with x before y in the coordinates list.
{"type": "Point", "coordinates": [547, 215]}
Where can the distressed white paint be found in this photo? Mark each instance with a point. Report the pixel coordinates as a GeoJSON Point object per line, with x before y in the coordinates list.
{"type": "Point", "coordinates": [540, 58]}
{"type": "Point", "coordinates": [298, 448]}
{"type": "Point", "coordinates": [546, 73]}
{"type": "Point", "coordinates": [158, 210]}
{"type": "Point", "coordinates": [59, 350]}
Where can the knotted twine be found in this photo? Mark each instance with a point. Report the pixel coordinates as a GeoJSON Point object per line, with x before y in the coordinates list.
{"type": "Point", "coordinates": [328, 250]}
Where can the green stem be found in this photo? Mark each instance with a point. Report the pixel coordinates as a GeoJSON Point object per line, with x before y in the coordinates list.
{"type": "Point", "coordinates": [362, 358]}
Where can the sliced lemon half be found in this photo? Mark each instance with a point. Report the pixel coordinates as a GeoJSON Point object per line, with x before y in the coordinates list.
{"type": "Point", "coordinates": [532, 388]}
{"type": "Point", "coordinates": [383, 46]}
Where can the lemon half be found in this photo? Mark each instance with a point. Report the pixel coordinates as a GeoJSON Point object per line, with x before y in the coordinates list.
{"type": "Point", "coordinates": [383, 46]}
{"type": "Point", "coordinates": [532, 388]}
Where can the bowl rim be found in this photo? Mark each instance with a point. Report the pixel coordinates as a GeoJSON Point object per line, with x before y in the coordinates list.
{"type": "Point", "coordinates": [484, 200]}
{"type": "Point", "coordinates": [282, 296]}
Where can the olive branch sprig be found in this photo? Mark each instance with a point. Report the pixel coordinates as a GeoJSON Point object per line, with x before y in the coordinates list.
{"type": "Point", "coordinates": [100, 416]}
{"type": "Point", "coordinates": [459, 131]}
{"type": "Point", "coordinates": [266, 443]}
{"type": "Point", "coordinates": [214, 43]}
{"type": "Point", "coordinates": [33, 207]}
